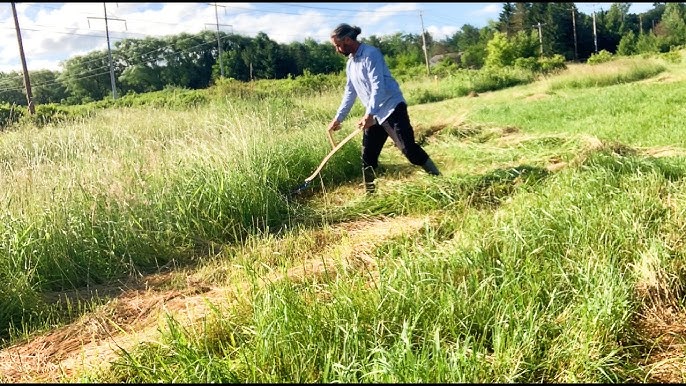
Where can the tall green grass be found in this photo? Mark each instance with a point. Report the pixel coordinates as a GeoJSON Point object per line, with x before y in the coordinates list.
{"type": "Point", "coordinates": [541, 289]}
{"type": "Point", "coordinates": [521, 273]}
{"type": "Point", "coordinates": [135, 189]}
{"type": "Point", "coordinates": [619, 71]}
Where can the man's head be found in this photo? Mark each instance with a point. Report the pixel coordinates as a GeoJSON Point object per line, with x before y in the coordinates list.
{"type": "Point", "coordinates": [344, 39]}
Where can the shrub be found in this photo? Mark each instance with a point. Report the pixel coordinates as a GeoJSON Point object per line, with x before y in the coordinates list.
{"type": "Point", "coordinates": [673, 56]}
{"type": "Point", "coordinates": [11, 113]}
{"type": "Point", "coordinates": [55, 113]}
{"type": "Point", "coordinates": [531, 64]}
{"type": "Point", "coordinates": [601, 57]}
{"type": "Point", "coordinates": [491, 79]}
{"type": "Point", "coordinates": [552, 65]}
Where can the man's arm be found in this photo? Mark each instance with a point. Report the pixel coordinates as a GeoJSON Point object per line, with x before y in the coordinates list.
{"type": "Point", "coordinates": [349, 96]}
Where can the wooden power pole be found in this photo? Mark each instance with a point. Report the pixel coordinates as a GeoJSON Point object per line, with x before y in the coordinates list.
{"type": "Point", "coordinates": [27, 81]}
{"type": "Point", "coordinates": [595, 34]}
{"type": "Point", "coordinates": [576, 55]}
{"type": "Point", "coordinates": [540, 35]}
{"type": "Point", "coordinates": [426, 56]}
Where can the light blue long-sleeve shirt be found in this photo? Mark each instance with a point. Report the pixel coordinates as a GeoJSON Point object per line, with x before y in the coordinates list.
{"type": "Point", "coordinates": [369, 78]}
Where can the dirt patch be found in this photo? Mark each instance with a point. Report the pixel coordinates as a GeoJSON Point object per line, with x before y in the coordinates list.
{"type": "Point", "coordinates": [663, 331]}
{"type": "Point", "coordinates": [536, 97]}
{"type": "Point", "coordinates": [664, 151]}
{"type": "Point", "coordinates": [135, 315]}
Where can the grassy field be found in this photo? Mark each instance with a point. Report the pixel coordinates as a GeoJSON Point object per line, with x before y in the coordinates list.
{"type": "Point", "coordinates": [148, 245]}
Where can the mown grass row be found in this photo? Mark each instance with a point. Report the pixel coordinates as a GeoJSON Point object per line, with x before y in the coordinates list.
{"type": "Point", "coordinates": [542, 288]}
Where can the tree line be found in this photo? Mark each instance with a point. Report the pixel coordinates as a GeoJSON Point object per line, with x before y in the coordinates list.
{"type": "Point", "coordinates": [192, 61]}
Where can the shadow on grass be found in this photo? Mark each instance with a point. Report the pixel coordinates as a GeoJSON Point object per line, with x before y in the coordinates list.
{"type": "Point", "coordinates": [490, 190]}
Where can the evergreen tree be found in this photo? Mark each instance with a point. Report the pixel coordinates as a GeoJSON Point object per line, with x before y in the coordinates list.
{"type": "Point", "coordinates": [505, 22]}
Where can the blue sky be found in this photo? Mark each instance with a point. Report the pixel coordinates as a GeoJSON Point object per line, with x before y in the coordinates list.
{"type": "Point", "coordinates": [54, 32]}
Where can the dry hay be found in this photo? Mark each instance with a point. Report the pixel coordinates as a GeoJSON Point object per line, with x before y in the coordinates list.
{"type": "Point", "coordinates": [663, 333]}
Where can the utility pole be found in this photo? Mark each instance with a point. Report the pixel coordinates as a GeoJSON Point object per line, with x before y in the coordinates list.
{"type": "Point", "coordinates": [576, 55]}
{"type": "Point", "coordinates": [426, 57]}
{"type": "Point", "coordinates": [27, 81]}
{"type": "Point", "coordinates": [109, 54]}
{"type": "Point", "coordinates": [540, 35]}
{"type": "Point", "coordinates": [219, 42]}
{"type": "Point", "coordinates": [640, 23]}
{"type": "Point", "coordinates": [595, 35]}
{"type": "Point", "coordinates": [109, 49]}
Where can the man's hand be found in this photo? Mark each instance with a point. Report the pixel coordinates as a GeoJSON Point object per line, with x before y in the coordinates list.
{"type": "Point", "coordinates": [366, 122]}
{"type": "Point", "coordinates": [334, 125]}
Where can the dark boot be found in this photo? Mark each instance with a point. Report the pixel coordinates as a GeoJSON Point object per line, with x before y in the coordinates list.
{"type": "Point", "coordinates": [368, 177]}
{"type": "Point", "coordinates": [431, 168]}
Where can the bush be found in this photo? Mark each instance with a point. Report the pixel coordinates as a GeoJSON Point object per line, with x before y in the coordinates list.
{"type": "Point", "coordinates": [491, 79]}
{"type": "Point", "coordinates": [671, 56]}
{"type": "Point", "coordinates": [531, 64]}
{"type": "Point", "coordinates": [309, 83]}
{"type": "Point", "coordinates": [552, 65]}
{"type": "Point", "coordinates": [10, 114]}
{"type": "Point", "coordinates": [55, 113]}
{"type": "Point", "coordinates": [601, 57]}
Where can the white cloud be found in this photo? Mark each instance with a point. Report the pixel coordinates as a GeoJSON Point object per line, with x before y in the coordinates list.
{"type": "Point", "coordinates": [490, 9]}
{"type": "Point", "coordinates": [440, 33]}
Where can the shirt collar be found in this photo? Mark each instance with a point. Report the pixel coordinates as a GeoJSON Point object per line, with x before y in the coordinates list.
{"type": "Point", "coordinates": [358, 52]}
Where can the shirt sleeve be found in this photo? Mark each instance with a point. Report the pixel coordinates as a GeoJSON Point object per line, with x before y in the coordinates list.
{"type": "Point", "coordinates": [349, 96]}
{"type": "Point", "coordinates": [375, 73]}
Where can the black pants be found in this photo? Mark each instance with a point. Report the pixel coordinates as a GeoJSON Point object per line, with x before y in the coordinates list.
{"type": "Point", "coordinates": [398, 127]}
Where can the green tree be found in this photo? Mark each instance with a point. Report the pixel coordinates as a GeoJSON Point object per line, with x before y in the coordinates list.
{"type": "Point", "coordinates": [470, 42]}
{"type": "Point", "coordinates": [322, 58]}
{"type": "Point", "coordinates": [188, 60]}
{"type": "Point", "coordinates": [262, 57]}
{"type": "Point", "coordinates": [525, 44]}
{"type": "Point", "coordinates": [467, 36]}
{"type": "Point", "coordinates": [521, 17]}
{"type": "Point", "coordinates": [500, 52]}
{"type": "Point", "coordinates": [615, 19]}
{"type": "Point", "coordinates": [671, 31]}
{"type": "Point", "coordinates": [647, 43]}
{"type": "Point", "coordinates": [87, 77]}
{"type": "Point", "coordinates": [234, 65]}
{"type": "Point", "coordinates": [558, 32]}
{"type": "Point", "coordinates": [627, 46]}
{"type": "Point", "coordinates": [651, 18]}
{"type": "Point", "coordinates": [505, 19]}
{"type": "Point", "coordinates": [46, 87]}
{"type": "Point", "coordinates": [12, 88]}
{"type": "Point", "coordinates": [142, 62]}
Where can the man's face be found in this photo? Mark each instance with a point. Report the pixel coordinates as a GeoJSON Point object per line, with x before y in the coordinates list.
{"type": "Point", "coordinates": [342, 45]}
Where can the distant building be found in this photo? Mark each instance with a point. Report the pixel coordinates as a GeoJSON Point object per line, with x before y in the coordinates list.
{"type": "Point", "coordinates": [455, 56]}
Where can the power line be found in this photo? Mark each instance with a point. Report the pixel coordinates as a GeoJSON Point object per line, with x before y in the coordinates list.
{"type": "Point", "coordinates": [82, 75]}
